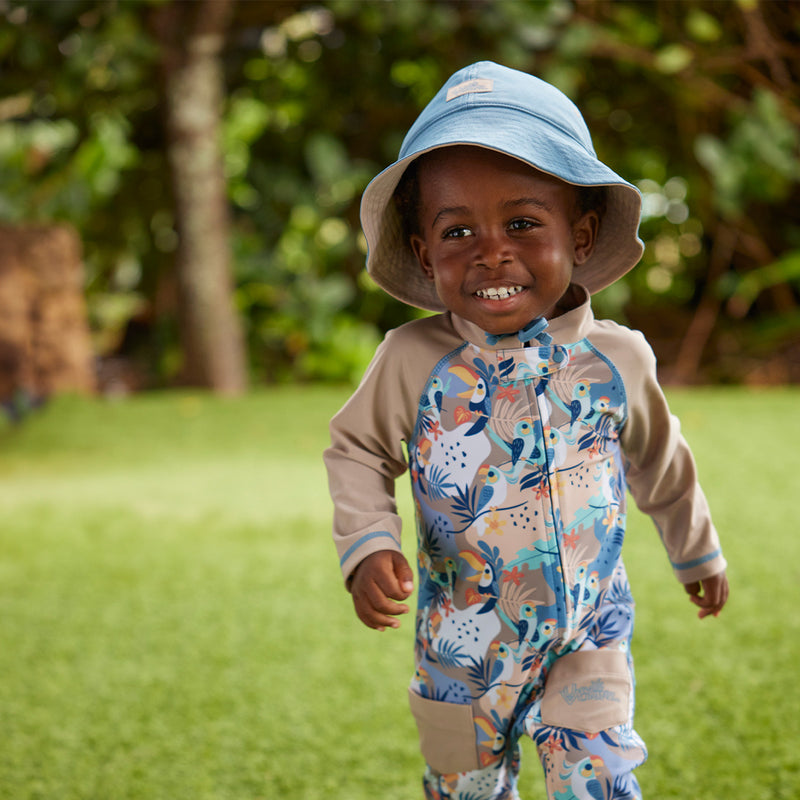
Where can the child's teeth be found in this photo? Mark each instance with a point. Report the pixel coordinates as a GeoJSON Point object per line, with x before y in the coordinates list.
{"type": "Point", "coordinates": [499, 293]}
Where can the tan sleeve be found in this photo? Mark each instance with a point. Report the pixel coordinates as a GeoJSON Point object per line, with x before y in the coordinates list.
{"type": "Point", "coordinates": [367, 435]}
{"type": "Point", "coordinates": [661, 471]}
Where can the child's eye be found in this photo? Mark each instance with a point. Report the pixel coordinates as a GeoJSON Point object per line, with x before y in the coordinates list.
{"type": "Point", "coordinates": [521, 224]}
{"type": "Point", "coordinates": [457, 232]}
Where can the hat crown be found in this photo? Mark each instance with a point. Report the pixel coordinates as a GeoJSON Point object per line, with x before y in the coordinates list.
{"type": "Point", "coordinates": [485, 85]}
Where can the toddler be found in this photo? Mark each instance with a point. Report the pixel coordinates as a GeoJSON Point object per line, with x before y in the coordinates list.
{"type": "Point", "coordinates": [524, 421]}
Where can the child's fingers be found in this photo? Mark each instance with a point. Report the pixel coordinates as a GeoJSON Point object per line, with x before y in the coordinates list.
{"type": "Point", "coordinates": [715, 590]}
{"type": "Point", "coordinates": [404, 576]}
{"type": "Point", "coordinates": [709, 595]}
{"type": "Point", "coordinates": [383, 598]}
{"type": "Point", "coordinates": [376, 610]}
{"type": "Point", "coordinates": [375, 589]}
{"type": "Point", "coordinates": [693, 589]}
{"type": "Point", "coordinates": [704, 604]}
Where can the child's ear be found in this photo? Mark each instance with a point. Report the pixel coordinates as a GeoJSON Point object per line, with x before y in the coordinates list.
{"type": "Point", "coordinates": [584, 236]}
{"type": "Point", "coordinates": [421, 252]}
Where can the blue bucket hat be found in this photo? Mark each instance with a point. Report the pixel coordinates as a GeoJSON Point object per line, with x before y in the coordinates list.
{"type": "Point", "coordinates": [511, 112]}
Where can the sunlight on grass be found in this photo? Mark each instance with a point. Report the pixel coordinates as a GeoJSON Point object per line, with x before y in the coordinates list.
{"type": "Point", "coordinates": [173, 624]}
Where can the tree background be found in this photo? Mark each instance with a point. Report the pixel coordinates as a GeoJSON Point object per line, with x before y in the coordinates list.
{"type": "Point", "coordinates": [696, 102]}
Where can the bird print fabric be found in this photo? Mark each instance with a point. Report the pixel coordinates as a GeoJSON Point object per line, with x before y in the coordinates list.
{"type": "Point", "coordinates": [519, 488]}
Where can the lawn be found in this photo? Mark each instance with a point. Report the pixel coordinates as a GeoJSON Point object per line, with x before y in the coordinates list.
{"type": "Point", "coordinates": [173, 624]}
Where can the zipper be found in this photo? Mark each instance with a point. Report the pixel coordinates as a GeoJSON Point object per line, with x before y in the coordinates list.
{"type": "Point", "coordinates": [558, 574]}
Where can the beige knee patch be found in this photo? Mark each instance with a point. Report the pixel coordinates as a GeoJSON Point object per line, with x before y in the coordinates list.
{"type": "Point", "coordinates": [588, 691]}
{"type": "Point", "coordinates": [446, 734]}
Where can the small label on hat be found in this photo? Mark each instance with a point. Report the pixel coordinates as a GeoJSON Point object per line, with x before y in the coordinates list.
{"type": "Point", "coordinates": [470, 87]}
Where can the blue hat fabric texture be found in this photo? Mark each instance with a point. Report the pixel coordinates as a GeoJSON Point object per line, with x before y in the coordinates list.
{"type": "Point", "coordinates": [512, 112]}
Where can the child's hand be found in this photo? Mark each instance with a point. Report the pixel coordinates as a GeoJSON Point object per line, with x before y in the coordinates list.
{"type": "Point", "coordinates": [379, 580]}
{"type": "Point", "coordinates": [714, 594]}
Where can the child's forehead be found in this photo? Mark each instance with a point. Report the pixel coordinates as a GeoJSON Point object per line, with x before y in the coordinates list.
{"type": "Point", "coordinates": [457, 163]}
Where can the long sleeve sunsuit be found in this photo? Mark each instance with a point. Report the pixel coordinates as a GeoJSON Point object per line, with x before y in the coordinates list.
{"type": "Point", "coordinates": [520, 450]}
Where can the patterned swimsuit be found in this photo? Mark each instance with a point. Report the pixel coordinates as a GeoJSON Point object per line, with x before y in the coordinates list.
{"type": "Point", "coordinates": [520, 450]}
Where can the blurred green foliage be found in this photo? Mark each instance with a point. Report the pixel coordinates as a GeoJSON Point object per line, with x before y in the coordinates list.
{"type": "Point", "coordinates": [694, 101]}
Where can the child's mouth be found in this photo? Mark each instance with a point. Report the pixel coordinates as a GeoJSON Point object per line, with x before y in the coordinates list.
{"type": "Point", "coordinates": [499, 292]}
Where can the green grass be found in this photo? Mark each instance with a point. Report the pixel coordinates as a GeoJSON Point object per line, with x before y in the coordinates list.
{"type": "Point", "coordinates": [173, 625]}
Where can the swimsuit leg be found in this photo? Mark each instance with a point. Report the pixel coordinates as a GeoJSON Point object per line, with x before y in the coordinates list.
{"type": "Point", "coordinates": [582, 758]}
{"type": "Point", "coordinates": [497, 781]}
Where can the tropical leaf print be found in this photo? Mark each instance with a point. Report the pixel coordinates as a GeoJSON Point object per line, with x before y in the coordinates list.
{"type": "Point", "coordinates": [465, 504]}
{"type": "Point", "coordinates": [480, 675]}
{"type": "Point", "coordinates": [450, 654]}
{"type": "Point", "coordinates": [439, 485]}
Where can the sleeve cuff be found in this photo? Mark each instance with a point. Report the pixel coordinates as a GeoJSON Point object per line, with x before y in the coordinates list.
{"type": "Point", "coordinates": [359, 547]}
{"type": "Point", "coordinates": [705, 567]}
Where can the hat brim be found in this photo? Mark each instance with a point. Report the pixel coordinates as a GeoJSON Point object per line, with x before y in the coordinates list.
{"type": "Point", "coordinates": [527, 138]}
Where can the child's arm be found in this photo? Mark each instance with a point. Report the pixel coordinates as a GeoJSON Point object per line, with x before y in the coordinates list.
{"type": "Point", "coordinates": [381, 581]}
{"type": "Point", "coordinates": [662, 477]}
{"type": "Point", "coordinates": [366, 456]}
{"type": "Point", "coordinates": [714, 594]}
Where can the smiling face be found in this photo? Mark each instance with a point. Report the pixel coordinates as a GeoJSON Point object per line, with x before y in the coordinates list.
{"type": "Point", "coordinates": [498, 238]}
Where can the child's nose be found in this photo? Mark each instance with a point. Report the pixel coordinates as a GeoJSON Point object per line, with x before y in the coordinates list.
{"type": "Point", "coordinates": [493, 250]}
